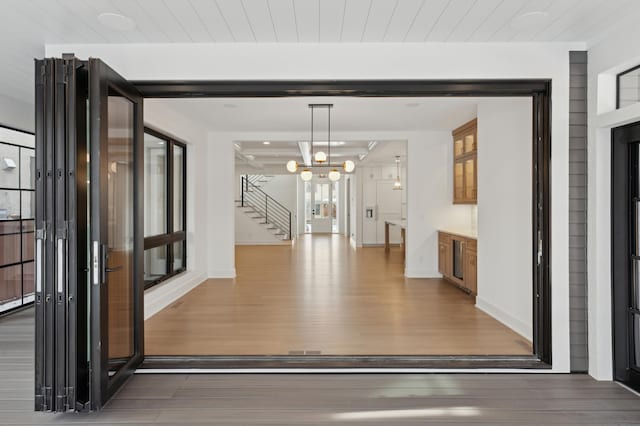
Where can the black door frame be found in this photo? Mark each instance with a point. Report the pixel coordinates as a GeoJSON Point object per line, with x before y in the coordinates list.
{"type": "Point", "coordinates": [624, 164]}
{"type": "Point", "coordinates": [102, 81]}
{"type": "Point", "coordinates": [539, 90]}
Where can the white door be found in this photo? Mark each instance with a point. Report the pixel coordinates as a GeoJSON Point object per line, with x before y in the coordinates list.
{"type": "Point", "coordinates": [323, 208]}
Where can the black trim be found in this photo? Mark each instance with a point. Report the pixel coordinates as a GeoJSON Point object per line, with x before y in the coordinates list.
{"type": "Point", "coordinates": [538, 89]}
{"type": "Point", "coordinates": [618, 83]}
{"type": "Point", "coordinates": [170, 237]}
{"type": "Point", "coordinates": [331, 361]}
{"type": "Point", "coordinates": [164, 239]}
{"type": "Point", "coordinates": [391, 88]}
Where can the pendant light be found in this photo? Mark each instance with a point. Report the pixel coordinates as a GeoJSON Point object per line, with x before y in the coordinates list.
{"type": "Point", "coordinates": [321, 159]}
{"type": "Point", "coordinates": [397, 185]}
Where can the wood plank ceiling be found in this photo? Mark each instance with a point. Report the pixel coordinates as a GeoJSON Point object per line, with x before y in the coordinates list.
{"type": "Point", "coordinates": [27, 25]}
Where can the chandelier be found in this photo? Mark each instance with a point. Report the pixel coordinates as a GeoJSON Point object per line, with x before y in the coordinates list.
{"type": "Point", "coordinates": [320, 159]}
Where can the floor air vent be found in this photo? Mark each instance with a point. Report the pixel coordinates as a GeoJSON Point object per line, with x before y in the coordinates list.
{"type": "Point", "coordinates": [305, 352]}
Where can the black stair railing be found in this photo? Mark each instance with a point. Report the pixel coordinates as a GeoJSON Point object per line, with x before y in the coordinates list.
{"type": "Point", "coordinates": [266, 207]}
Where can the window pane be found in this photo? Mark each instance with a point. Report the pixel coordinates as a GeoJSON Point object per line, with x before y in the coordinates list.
{"type": "Point", "coordinates": [629, 88]}
{"type": "Point", "coordinates": [155, 263]}
{"type": "Point", "coordinates": [9, 249]}
{"type": "Point", "coordinates": [178, 188]}
{"type": "Point", "coordinates": [9, 205]}
{"type": "Point", "coordinates": [178, 255]}
{"type": "Point", "coordinates": [28, 242]}
{"type": "Point", "coordinates": [28, 204]}
{"type": "Point", "coordinates": [10, 287]}
{"type": "Point", "coordinates": [155, 185]}
{"type": "Point", "coordinates": [9, 166]}
{"type": "Point", "coordinates": [120, 228]}
{"type": "Point", "coordinates": [27, 168]}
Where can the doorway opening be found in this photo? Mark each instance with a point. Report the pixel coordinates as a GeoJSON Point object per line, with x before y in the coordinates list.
{"type": "Point", "coordinates": [80, 230]}
{"type": "Point", "coordinates": [327, 292]}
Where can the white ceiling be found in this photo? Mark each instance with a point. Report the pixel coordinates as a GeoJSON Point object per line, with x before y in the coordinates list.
{"type": "Point", "coordinates": [262, 118]}
{"type": "Point", "coordinates": [27, 25]}
{"type": "Point", "coordinates": [349, 114]}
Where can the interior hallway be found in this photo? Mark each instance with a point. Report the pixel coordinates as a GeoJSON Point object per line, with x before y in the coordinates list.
{"type": "Point", "coordinates": [321, 296]}
{"type": "Point", "coordinates": [295, 399]}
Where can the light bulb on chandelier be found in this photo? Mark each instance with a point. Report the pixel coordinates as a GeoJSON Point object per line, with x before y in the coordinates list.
{"type": "Point", "coordinates": [292, 166]}
{"type": "Point", "coordinates": [306, 175]}
{"type": "Point", "coordinates": [320, 157]}
{"type": "Point", "coordinates": [349, 166]}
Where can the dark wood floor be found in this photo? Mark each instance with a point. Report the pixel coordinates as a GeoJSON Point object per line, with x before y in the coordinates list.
{"type": "Point", "coordinates": [315, 399]}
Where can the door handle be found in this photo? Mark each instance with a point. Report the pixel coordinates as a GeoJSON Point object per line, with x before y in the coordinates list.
{"type": "Point", "coordinates": [114, 269]}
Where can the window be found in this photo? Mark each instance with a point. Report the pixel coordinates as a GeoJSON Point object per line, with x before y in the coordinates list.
{"type": "Point", "coordinates": [164, 207]}
{"type": "Point", "coordinates": [17, 233]}
{"type": "Point", "coordinates": [629, 87]}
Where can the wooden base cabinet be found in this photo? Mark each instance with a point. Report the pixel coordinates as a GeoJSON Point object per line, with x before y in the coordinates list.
{"type": "Point", "coordinates": [458, 260]}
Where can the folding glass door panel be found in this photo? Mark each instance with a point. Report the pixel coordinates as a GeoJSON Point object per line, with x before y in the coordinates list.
{"type": "Point", "coordinates": [89, 236]}
{"type": "Point", "coordinates": [626, 253]}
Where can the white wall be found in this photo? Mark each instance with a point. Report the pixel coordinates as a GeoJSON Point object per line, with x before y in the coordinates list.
{"type": "Point", "coordinates": [504, 212]}
{"type": "Point", "coordinates": [430, 201]}
{"type": "Point", "coordinates": [165, 119]}
{"type": "Point", "coordinates": [611, 55]}
{"type": "Point", "coordinates": [375, 61]}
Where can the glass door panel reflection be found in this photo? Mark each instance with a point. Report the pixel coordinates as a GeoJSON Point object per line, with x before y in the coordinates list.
{"type": "Point", "coordinates": [155, 185]}
{"type": "Point", "coordinates": [178, 188]}
{"type": "Point", "coordinates": [120, 236]}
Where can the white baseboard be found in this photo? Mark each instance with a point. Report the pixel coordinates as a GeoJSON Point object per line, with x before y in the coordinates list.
{"type": "Point", "coordinates": [265, 243]}
{"type": "Point", "coordinates": [520, 327]}
{"type": "Point", "coordinates": [222, 273]}
{"type": "Point", "coordinates": [162, 295]}
{"type": "Point", "coordinates": [421, 273]}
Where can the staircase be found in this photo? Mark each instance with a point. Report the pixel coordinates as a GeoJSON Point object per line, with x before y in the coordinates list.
{"type": "Point", "coordinates": [258, 180]}
{"type": "Point", "coordinates": [263, 208]}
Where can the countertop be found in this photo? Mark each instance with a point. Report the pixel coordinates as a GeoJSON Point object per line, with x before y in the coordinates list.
{"type": "Point", "coordinates": [400, 223]}
{"type": "Point", "coordinates": [466, 233]}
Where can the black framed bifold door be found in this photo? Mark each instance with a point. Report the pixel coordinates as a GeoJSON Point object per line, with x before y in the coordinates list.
{"type": "Point", "coordinates": [89, 285]}
{"type": "Point", "coordinates": [117, 283]}
{"type": "Point", "coordinates": [625, 261]}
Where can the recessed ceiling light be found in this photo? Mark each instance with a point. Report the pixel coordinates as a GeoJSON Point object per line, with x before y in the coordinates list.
{"type": "Point", "coordinates": [266, 143]}
{"type": "Point", "coordinates": [529, 20]}
{"type": "Point", "coordinates": [230, 105]}
{"type": "Point", "coordinates": [116, 21]}
{"type": "Point", "coordinates": [412, 105]}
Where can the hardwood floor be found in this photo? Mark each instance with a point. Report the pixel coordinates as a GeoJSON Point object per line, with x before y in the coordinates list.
{"type": "Point", "coordinates": [320, 399]}
{"type": "Point", "coordinates": [321, 296]}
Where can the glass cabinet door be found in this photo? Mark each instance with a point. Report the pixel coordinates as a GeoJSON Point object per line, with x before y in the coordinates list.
{"type": "Point", "coordinates": [458, 181]}
{"type": "Point", "coordinates": [470, 179]}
